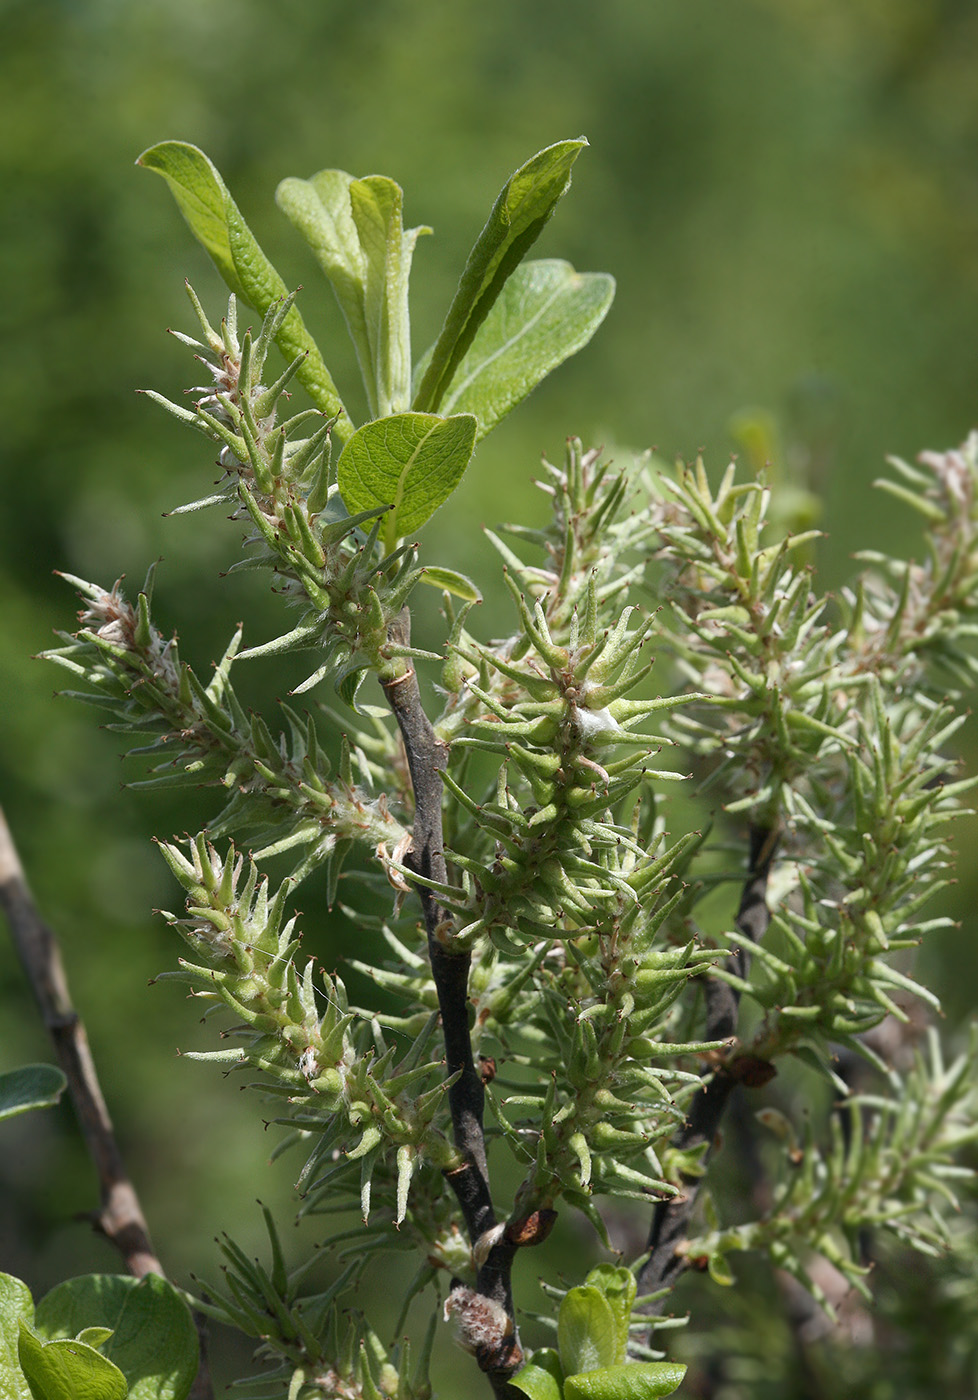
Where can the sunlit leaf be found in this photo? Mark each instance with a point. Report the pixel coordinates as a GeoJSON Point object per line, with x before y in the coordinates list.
{"type": "Point", "coordinates": [217, 224]}
{"type": "Point", "coordinates": [545, 313]}
{"type": "Point", "coordinates": [619, 1289]}
{"type": "Point", "coordinates": [518, 217]}
{"type": "Point", "coordinates": [320, 209]}
{"type": "Point", "coordinates": [586, 1333]}
{"type": "Point", "coordinates": [377, 204]}
{"type": "Point", "coordinates": [451, 582]}
{"type": "Point", "coordinates": [639, 1380]}
{"type": "Point", "coordinates": [537, 1383]}
{"type": "Point", "coordinates": [410, 461]}
{"type": "Point", "coordinates": [16, 1306]}
{"type": "Point", "coordinates": [68, 1369]}
{"type": "Point", "coordinates": [355, 231]}
{"type": "Point", "coordinates": [153, 1342]}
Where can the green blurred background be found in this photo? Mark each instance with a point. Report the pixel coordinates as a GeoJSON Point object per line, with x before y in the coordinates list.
{"type": "Point", "coordinates": [787, 193]}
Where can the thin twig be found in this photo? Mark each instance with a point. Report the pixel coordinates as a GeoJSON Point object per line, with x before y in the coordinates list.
{"type": "Point", "coordinates": [120, 1218]}
{"type": "Point", "coordinates": [426, 756]}
{"type": "Point", "coordinates": [670, 1221]}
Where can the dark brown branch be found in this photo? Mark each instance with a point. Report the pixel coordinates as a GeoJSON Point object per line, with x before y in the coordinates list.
{"type": "Point", "coordinates": [670, 1222]}
{"type": "Point", "coordinates": [120, 1218]}
{"type": "Point", "coordinates": [426, 756]}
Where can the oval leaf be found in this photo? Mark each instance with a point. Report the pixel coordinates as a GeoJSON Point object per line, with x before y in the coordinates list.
{"type": "Point", "coordinates": [16, 1306]}
{"type": "Point", "coordinates": [719, 1267]}
{"type": "Point", "coordinates": [410, 461]}
{"type": "Point", "coordinates": [586, 1332]}
{"type": "Point", "coordinates": [377, 205]}
{"type": "Point", "coordinates": [537, 1383]}
{"type": "Point", "coordinates": [153, 1342]}
{"type": "Point", "coordinates": [545, 313]}
{"type": "Point", "coordinates": [68, 1370]}
{"type": "Point", "coordinates": [451, 582]}
{"type": "Point", "coordinates": [319, 208]}
{"type": "Point", "coordinates": [355, 231]}
{"type": "Point", "coordinates": [641, 1380]}
{"type": "Point", "coordinates": [548, 1360]}
{"type": "Point", "coordinates": [201, 197]}
{"type": "Point", "coordinates": [619, 1289]}
{"type": "Point", "coordinates": [523, 206]}
{"type": "Point", "coordinates": [31, 1086]}
{"type": "Point", "coordinates": [95, 1336]}
{"type": "Point", "coordinates": [215, 221]}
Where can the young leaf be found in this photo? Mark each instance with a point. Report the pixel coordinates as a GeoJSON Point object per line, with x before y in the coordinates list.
{"type": "Point", "coordinates": [618, 1288]}
{"type": "Point", "coordinates": [410, 461]}
{"type": "Point", "coordinates": [202, 199]}
{"type": "Point", "coordinates": [320, 209]}
{"type": "Point", "coordinates": [31, 1086]}
{"type": "Point", "coordinates": [545, 313]}
{"type": "Point", "coordinates": [377, 204]}
{"type": "Point", "coordinates": [537, 1383]}
{"type": "Point", "coordinates": [639, 1380]}
{"type": "Point", "coordinates": [525, 203]}
{"type": "Point", "coordinates": [356, 233]}
{"type": "Point", "coordinates": [68, 1370]}
{"type": "Point", "coordinates": [719, 1267]}
{"type": "Point", "coordinates": [16, 1306]}
{"type": "Point", "coordinates": [451, 582]}
{"type": "Point", "coordinates": [216, 223]}
{"type": "Point", "coordinates": [95, 1336]}
{"type": "Point", "coordinates": [153, 1342]}
{"type": "Point", "coordinates": [586, 1332]}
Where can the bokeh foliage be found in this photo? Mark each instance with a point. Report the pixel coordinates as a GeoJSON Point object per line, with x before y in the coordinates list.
{"type": "Point", "coordinates": [786, 193]}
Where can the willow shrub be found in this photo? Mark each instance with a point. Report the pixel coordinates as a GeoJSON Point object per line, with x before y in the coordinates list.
{"type": "Point", "coordinates": [564, 949]}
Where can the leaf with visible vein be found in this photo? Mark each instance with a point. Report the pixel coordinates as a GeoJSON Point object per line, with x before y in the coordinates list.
{"type": "Point", "coordinates": [217, 224]}
{"type": "Point", "coordinates": [518, 217]}
{"type": "Point", "coordinates": [411, 462]}
{"type": "Point", "coordinates": [377, 205]}
{"type": "Point", "coordinates": [546, 313]}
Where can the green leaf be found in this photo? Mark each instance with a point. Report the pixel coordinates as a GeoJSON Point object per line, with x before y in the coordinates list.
{"type": "Point", "coordinates": [216, 223]}
{"type": "Point", "coordinates": [545, 314]}
{"type": "Point", "coordinates": [202, 199]}
{"type": "Point", "coordinates": [618, 1288]}
{"type": "Point", "coordinates": [16, 1307]}
{"type": "Point", "coordinates": [95, 1336]}
{"type": "Point", "coordinates": [377, 205]}
{"type": "Point", "coordinates": [719, 1268]}
{"type": "Point", "coordinates": [411, 462]}
{"type": "Point", "coordinates": [536, 1382]}
{"type": "Point", "coordinates": [586, 1332]}
{"type": "Point", "coordinates": [524, 205]}
{"type": "Point", "coordinates": [320, 209]}
{"type": "Point", "coordinates": [548, 1360]}
{"type": "Point", "coordinates": [451, 582]}
{"type": "Point", "coordinates": [639, 1380]}
{"type": "Point", "coordinates": [68, 1370]}
{"type": "Point", "coordinates": [153, 1342]}
{"type": "Point", "coordinates": [31, 1086]}
{"type": "Point", "coordinates": [356, 233]}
